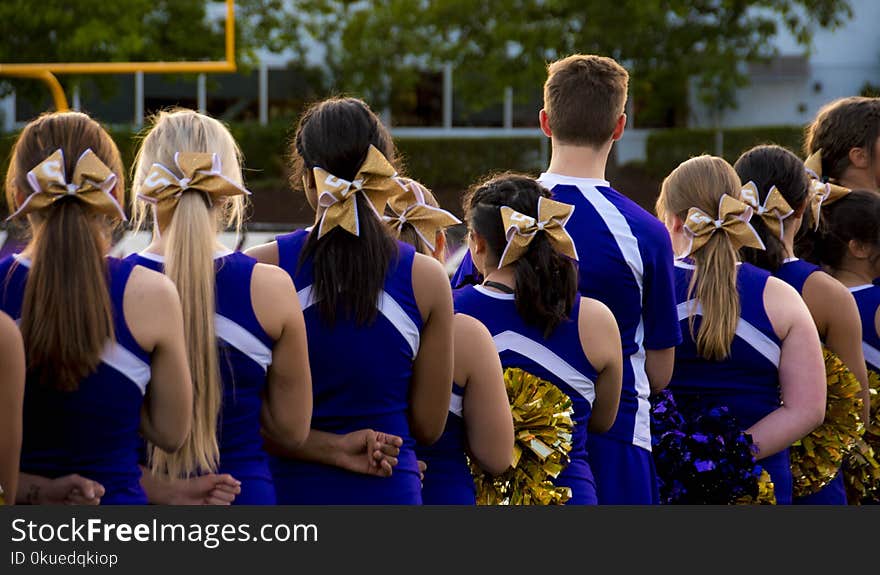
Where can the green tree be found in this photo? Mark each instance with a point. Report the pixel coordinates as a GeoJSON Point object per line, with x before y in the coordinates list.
{"type": "Point", "coordinates": [374, 45]}
{"type": "Point", "coordinates": [105, 31]}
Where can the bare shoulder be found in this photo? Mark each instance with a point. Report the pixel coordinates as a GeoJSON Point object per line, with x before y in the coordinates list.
{"type": "Point", "coordinates": [7, 327]}
{"type": "Point", "coordinates": [150, 287]}
{"type": "Point", "coordinates": [264, 253]}
{"type": "Point", "coordinates": [271, 278]}
{"type": "Point", "coordinates": [595, 314]}
{"type": "Point", "coordinates": [427, 276]}
{"type": "Point", "coordinates": [784, 306]}
{"type": "Point", "coordinates": [469, 330]}
{"type": "Point", "coordinates": [827, 288]}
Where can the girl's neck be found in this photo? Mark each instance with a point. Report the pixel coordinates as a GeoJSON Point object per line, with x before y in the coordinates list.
{"type": "Point", "coordinates": [853, 275]}
{"type": "Point", "coordinates": [504, 276]}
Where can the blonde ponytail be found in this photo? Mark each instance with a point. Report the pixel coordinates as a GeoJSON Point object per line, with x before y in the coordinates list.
{"type": "Point", "coordinates": [189, 262]}
{"type": "Point", "coordinates": [700, 183]}
{"type": "Point", "coordinates": [190, 239]}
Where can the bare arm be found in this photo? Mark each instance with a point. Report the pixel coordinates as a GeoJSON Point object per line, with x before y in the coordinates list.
{"type": "Point", "coordinates": [364, 451]}
{"type": "Point", "coordinates": [659, 364]}
{"type": "Point", "coordinates": [486, 409]}
{"type": "Point", "coordinates": [210, 489]}
{"type": "Point", "coordinates": [152, 310]}
{"type": "Point", "coordinates": [432, 369]}
{"type": "Point", "coordinates": [287, 406]}
{"type": "Point", "coordinates": [11, 404]}
{"type": "Point", "coordinates": [801, 373]}
{"type": "Point", "coordinates": [600, 340]}
{"type": "Point", "coordinates": [66, 490]}
{"type": "Point", "coordinates": [836, 315]}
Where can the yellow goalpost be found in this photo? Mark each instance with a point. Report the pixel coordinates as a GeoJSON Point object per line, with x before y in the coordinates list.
{"type": "Point", "coordinates": [46, 72]}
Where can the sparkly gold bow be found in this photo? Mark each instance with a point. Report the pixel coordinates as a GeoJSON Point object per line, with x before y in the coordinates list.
{"type": "Point", "coordinates": [773, 211]}
{"type": "Point", "coordinates": [410, 207]}
{"type": "Point", "coordinates": [201, 172]}
{"type": "Point", "coordinates": [822, 192]}
{"type": "Point", "coordinates": [521, 229]}
{"type": "Point", "coordinates": [336, 197]}
{"type": "Point", "coordinates": [92, 183]}
{"type": "Point", "coordinates": [733, 219]}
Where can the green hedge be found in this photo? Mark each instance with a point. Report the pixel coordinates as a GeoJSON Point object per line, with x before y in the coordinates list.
{"type": "Point", "coordinates": [666, 149]}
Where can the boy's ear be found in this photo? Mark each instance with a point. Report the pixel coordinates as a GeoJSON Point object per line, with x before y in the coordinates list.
{"type": "Point", "coordinates": [619, 128]}
{"type": "Point", "coordinates": [545, 123]}
{"type": "Point", "coordinates": [858, 157]}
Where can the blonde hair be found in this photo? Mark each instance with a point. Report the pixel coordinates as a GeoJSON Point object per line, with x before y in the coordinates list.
{"type": "Point", "coordinates": [189, 261]}
{"type": "Point", "coordinates": [699, 183]}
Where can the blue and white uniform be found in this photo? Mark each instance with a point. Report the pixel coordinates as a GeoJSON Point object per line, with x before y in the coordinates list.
{"type": "Point", "coordinates": [448, 479]}
{"type": "Point", "coordinates": [795, 273]}
{"type": "Point", "coordinates": [747, 382]}
{"type": "Point", "coordinates": [360, 379]}
{"type": "Point", "coordinates": [868, 300]}
{"type": "Point", "coordinates": [559, 359]}
{"type": "Point", "coordinates": [245, 353]}
{"type": "Point", "coordinates": [626, 263]}
{"type": "Point", "coordinates": [93, 431]}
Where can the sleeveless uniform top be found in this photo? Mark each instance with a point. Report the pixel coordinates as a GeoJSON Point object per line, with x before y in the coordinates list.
{"type": "Point", "coordinates": [94, 430]}
{"type": "Point", "coordinates": [795, 273]}
{"type": "Point", "coordinates": [448, 479]}
{"type": "Point", "coordinates": [360, 379]}
{"type": "Point", "coordinates": [244, 353]}
{"type": "Point", "coordinates": [747, 382]}
{"type": "Point", "coordinates": [868, 300]}
{"type": "Point", "coordinates": [558, 359]}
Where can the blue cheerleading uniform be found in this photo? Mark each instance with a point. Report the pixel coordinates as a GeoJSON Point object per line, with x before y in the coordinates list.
{"type": "Point", "coordinates": [360, 379]}
{"type": "Point", "coordinates": [93, 431]}
{"type": "Point", "coordinates": [747, 381]}
{"type": "Point", "coordinates": [558, 359]}
{"type": "Point", "coordinates": [795, 273]}
{"type": "Point", "coordinates": [626, 263]}
{"type": "Point", "coordinates": [245, 353]}
{"type": "Point", "coordinates": [448, 479]}
{"type": "Point", "coordinates": [868, 300]}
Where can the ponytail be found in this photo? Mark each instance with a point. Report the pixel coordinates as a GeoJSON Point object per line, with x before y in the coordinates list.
{"type": "Point", "coordinates": [546, 286]}
{"type": "Point", "coordinates": [714, 287]}
{"type": "Point", "coordinates": [189, 262]}
{"type": "Point", "coordinates": [67, 315]}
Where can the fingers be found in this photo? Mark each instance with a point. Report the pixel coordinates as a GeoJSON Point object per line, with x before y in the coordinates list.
{"type": "Point", "coordinates": [422, 467]}
{"type": "Point", "coordinates": [83, 491]}
{"type": "Point", "coordinates": [228, 483]}
{"type": "Point", "coordinates": [220, 497]}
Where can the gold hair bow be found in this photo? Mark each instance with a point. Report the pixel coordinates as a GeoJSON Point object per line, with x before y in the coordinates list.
{"type": "Point", "coordinates": [821, 192]}
{"type": "Point", "coordinates": [375, 178]}
{"type": "Point", "coordinates": [201, 172]}
{"type": "Point", "coordinates": [521, 229]}
{"type": "Point", "coordinates": [773, 211]}
{"type": "Point", "coordinates": [410, 207]}
{"type": "Point", "coordinates": [733, 219]}
{"type": "Point", "coordinates": [92, 183]}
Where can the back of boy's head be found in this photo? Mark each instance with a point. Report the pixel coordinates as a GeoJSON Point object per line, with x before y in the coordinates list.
{"type": "Point", "coordinates": [584, 96]}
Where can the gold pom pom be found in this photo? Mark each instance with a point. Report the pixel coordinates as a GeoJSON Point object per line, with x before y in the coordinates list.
{"type": "Point", "coordinates": [542, 426]}
{"type": "Point", "coordinates": [862, 464]}
{"type": "Point", "coordinates": [816, 459]}
{"type": "Point", "coordinates": [766, 492]}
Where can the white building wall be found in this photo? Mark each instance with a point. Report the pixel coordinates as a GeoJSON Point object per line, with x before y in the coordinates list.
{"type": "Point", "coordinates": [839, 65]}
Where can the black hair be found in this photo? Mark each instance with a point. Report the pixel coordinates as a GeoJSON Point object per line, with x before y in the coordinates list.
{"type": "Point", "coordinates": [546, 281]}
{"type": "Point", "coordinates": [855, 216]}
{"type": "Point", "coordinates": [336, 135]}
{"type": "Point", "coordinates": [769, 166]}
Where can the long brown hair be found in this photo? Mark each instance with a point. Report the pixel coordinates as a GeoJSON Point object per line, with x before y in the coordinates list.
{"type": "Point", "coordinates": [699, 183]}
{"type": "Point", "coordinates": [67, 314]}
{"type": "Point", "coordinates": [190, 238]}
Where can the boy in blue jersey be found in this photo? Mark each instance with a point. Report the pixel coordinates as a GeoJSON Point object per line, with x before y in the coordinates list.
{"type": "Point", "coordinates": [626, 262]}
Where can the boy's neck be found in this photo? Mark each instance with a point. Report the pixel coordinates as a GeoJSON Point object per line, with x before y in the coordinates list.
{"type": "Point", "coordinates": [579, 161]}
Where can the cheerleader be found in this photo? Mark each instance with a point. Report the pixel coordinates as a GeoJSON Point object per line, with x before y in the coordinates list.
{"type": "Point", "coordinates": [103, 337]}
{"type": "Point", "coordinates": [245, 334]}
{"type": "Point", "coordinates": [778, 189]}
{"type": "Point", "coordinates": [529, 302]}
{"type": "Point", "coordinates": [843, 143]}
{"type": "Point", "coordinates": [378, 315]}
{"type": "Point", "coordinates": [11, 397]}
{"type": "Point", "coordinates": [479, 422]}
{"type": "Point", "coordinates": [749, 341]}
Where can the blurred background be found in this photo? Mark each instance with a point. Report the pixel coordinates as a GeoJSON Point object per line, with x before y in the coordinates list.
{"type": "Point", "coordinates": [458, 81]}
